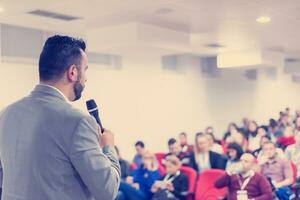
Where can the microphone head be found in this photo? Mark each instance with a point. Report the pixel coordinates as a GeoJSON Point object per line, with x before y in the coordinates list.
{"type": "Point", "coordinates": [91, 105]}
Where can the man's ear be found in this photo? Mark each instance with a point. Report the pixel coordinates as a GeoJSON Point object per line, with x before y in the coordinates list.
{"type": "Point", "coordinates": [72, 73]}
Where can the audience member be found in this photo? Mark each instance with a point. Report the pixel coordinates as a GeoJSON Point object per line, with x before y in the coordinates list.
{"type": "Point", "coordinates": [124, 164]}
{"type": "Point", "coordinates": [213, 143]}
{"type": "Point", "coordinates": [232, 128]}
{"type": "Point", "coordinates": [253, 137]}
{"type": "Point", "coordinates": [292, 153]}
{"type": "Point", "coordinates": [297, 123]}
{"type": "Point", "coordinates": [140, 149]}
{"type": "Point", "coordinates": [245, 183]}
{"type": "Point", "coordinates": [287, 138]}
{"type": "Point", "coordinates": [274, 128]}
{"type": "Point", "coordinates": [202, 158]}
{"type": "Point", "coordinates": [185, 147]}
{"type": "Point", "coordinates": [138, 186]}
{"type": "Point", "coordinates": [234, 153]}
{"type": "Point", "coordinates": [279, 170]}
{"type": "Point", "coordinates": [175, 149]}
{"type": "Point", "coordinates": [174, 185]}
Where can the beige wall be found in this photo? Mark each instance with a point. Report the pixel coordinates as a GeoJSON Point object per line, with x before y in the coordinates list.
{"type": "Point", "coordinates": [142, 101]}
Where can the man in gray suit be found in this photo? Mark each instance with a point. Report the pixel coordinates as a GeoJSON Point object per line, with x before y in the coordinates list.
{"type": "Point", "coordinates": [48, 149]}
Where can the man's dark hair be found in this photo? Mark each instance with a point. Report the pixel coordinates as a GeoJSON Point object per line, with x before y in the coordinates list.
{"type": "Point", "coordinates": [58, 54]}
{"type": "Point", "coordinates": [140, 143]}
{"type": "Point", "coordinates": [172, 141]}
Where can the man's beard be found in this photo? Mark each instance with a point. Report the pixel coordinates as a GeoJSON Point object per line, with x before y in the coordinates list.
{"type": "Point", "coordinates": [78, 88]}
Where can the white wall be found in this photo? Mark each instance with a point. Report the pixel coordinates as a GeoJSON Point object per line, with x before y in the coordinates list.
{"type": "Point", "coordinates": [142, 101]}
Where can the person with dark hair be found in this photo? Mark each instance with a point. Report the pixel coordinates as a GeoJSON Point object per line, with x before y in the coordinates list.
{"type": "Point", "coordinates": [124, 164]}
{"type": "Point", "coordinates": [140, 150]}
{"type": "Point", "coordinates": [274, 128]}
{"type": "Point", "coordinates": [213, 143]}
{"type": "Point", "coordinates": [232, 128]}
{"type": "Point", "coordinates": [185, 147]}
{"type": "Point", "coordinates": [254, 136]}
{"type": "Point", "coordinates": [55, 151]}
{"type": "Point", "coordinates": [234, 153]}
{"type": "Point", "coordinates": [175, 149]}
{"type": "Point", "coordinates": [202, 158]}
{"type": "Point", "coordinates": [279, 170]}
{"type": "Point", "coordinates": [297, 123]}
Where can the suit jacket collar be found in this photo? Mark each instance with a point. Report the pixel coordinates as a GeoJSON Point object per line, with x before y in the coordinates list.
{"type": "Point", "coordinates": [48, 90]}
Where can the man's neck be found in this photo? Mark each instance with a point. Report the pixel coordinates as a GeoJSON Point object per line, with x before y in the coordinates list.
{"type": "Point", "coordinates": [247, 174]}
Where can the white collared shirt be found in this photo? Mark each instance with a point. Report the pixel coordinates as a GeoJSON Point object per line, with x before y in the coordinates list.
{"type": "Point", "coordinates": [60, 92]}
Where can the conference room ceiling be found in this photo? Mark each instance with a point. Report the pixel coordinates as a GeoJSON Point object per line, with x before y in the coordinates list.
{"type": "Point", "coordinates": [212, 26]}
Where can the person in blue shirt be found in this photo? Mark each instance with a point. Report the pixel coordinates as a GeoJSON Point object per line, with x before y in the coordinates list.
{"type": "Point", "coordinates": [138, 186]}
{"type": "Point", "coordinates": [140, 149]}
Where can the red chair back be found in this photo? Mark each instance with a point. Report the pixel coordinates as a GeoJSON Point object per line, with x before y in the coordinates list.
{"type": "Point", "coordinates": [160, 157]}
{"type": "Point", "coordinates": [192, 176]}
{"type": "Point", "coordinates": [133, 166]}
{"type": "Point", "coordinates": [223, 144]}
{"type": "Point", "coordinates": [294, 167]}
{"type": "Point", "coordinates": [161, 170]}
{"type": "Point", "coordinates": [205, 189]}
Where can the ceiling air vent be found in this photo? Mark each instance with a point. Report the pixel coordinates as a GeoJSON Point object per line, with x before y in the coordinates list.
{"type": "Point", "coordinates": [54, 15]}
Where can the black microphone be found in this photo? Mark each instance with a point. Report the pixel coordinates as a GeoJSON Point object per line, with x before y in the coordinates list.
{"type": "Point", "coordinates": [93, 110]}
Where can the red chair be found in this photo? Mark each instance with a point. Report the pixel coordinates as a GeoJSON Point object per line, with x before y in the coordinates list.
{"type": "Point", "coordinates": [294, 167]}
{"type": "Point", "coordinates": [160, 157]}
{"type": "Point", "coordinates": [133, 166]}
{"type": "Point", "coordinates": [192, 176]}
{"type": "Point", "coordinates": [205, 189]}
{"type": "Point", "coordinates": [161, 170]}
{"type": "Point", "coordinates": [223, 144]}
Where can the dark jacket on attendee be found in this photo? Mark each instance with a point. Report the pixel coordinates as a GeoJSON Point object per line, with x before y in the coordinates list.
{"type": "Point", "coordinates": [181, 185]}
{"type": "Point", "coordinates": [125, 168]}
{"type": "Point", "coordinates": [217, 161]}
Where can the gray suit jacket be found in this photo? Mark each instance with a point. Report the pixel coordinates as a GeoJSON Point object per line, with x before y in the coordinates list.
{"type": "Point", "coordinates": [50, 151]}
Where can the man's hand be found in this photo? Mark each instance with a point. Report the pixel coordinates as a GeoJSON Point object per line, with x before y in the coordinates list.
{"type": "Point", "coordinates": [106, 139]}
{"type": "Point", "coordinates": [170, 186]}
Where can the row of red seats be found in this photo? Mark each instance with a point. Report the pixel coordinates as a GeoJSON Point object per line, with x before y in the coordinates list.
{"type": "Point", "coordinates": [201, 187]}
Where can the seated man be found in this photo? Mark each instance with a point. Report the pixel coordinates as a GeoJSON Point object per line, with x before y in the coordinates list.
{"type": "Point", "coordinates": [174, 185]}
{"type": "Point", "coordinates": [279, 170]}
{"type": "Point", "coordinates": [140, 150]}
{"type": "Point", "coordinates": [293, 153]}
{"type": "Point", "coordinates": [185, 147]}
{"type": "Point", "coordinates": [244, 182]}
{"type": "Point", "coordinates": [175, 149]}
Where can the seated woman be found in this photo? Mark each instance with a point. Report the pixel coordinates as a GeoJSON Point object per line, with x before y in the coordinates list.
{"type": "Point", "coordinates": [234, 153]}
{"type": "Point", "coordinates": [138, 186]}
{"type": "Point", "coordinates": [174, 185]}
{"type": "Point", "coordinates": [203, 158]}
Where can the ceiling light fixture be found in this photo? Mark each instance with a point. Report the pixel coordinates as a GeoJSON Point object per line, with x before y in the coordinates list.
{"type": "Point", "coordinates": [263, 19]}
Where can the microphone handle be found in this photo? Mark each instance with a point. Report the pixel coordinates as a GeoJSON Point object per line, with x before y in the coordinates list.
{"type": "Point", "coordinates": [99, 122]}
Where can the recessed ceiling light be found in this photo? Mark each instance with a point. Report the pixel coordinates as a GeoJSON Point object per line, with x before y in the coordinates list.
{"type": "Point", "coordinates": [163, 11]}
{"type": "Point", "coordinates": [291, 60]}
{"type": "Point", "coordinates": [214, 45]}
{"type": "Point", "coordinates": [263, 19]}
